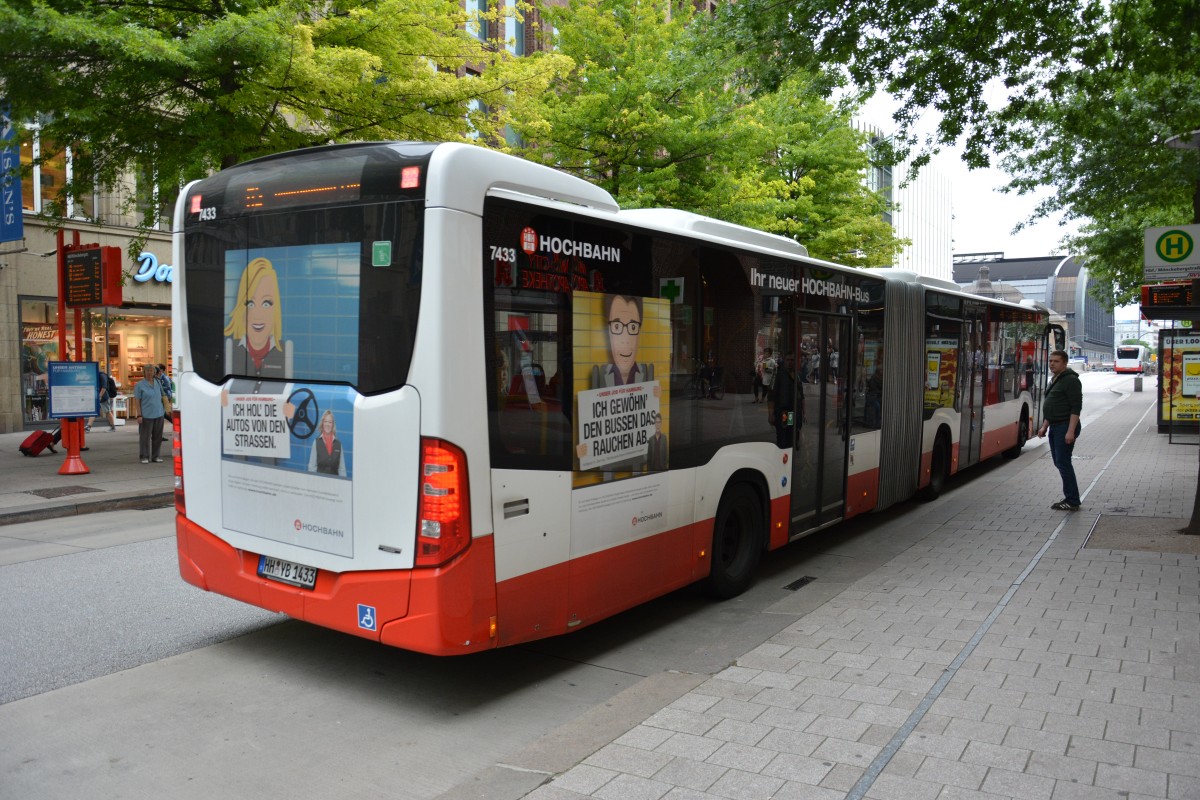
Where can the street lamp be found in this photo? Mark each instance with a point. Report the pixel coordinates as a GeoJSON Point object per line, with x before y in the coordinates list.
{"type": "Point", "coordinates": [1190, 141]}
{"type": "Point", "coordinates": [1184, 141]}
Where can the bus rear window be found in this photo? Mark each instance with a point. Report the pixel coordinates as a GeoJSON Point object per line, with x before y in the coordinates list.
{"type": "Point", "coordinates": [311, 295]}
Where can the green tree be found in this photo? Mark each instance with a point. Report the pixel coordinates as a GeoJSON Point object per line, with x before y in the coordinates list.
{"type": "Point", "coordinates": [1092, 89]}
{"type": "Point", "coordinates": [658, 113]}
{"type": "Point", "coordinates": [179, 89]}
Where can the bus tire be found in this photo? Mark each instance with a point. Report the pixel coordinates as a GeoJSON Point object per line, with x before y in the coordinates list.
{"type": "Point", "coordinates": [1022, 435]}
{"type": "Point", "coordinates": [738, 535]}
{"type": "Point", "coordinates": [939, 468]}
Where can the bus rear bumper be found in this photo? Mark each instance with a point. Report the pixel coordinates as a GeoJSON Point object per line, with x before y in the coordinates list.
{"type": "Point", "coordinates": [449, 610]}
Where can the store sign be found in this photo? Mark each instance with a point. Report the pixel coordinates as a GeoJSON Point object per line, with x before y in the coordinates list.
{"type": "Point", "coordinates": [12, 220]}
{"type": "Point", "coordinates": [150, 270]}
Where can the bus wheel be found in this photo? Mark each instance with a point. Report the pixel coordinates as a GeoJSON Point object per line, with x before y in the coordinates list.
{"type": "Point", "coordinates": [1022, 436]}
{"type": "Point", "coordinates": [939, 469]}
{"type": "Point", "coordinates": [737, 542]}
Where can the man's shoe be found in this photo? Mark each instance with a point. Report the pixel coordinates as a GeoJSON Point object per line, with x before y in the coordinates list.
{"type": "Point", "coordinates": [158, 461]}
{"type": "Point", "coordinates": [87, 428]}
{"type": "Point", "coordinates": [1063, 505]}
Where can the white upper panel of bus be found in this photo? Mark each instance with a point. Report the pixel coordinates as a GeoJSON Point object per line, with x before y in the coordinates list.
{"type": "Point", "coordinates": [461, 175]}
{"type": "Point", "coordinates": [668, 218]}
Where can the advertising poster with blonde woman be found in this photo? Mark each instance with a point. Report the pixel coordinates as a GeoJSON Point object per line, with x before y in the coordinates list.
{"type": "Point", "coordinates": [287, 446]}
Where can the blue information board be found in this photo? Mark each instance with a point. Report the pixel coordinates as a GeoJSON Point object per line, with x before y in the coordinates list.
{"type": "Point", "coordinates": [74, 389]}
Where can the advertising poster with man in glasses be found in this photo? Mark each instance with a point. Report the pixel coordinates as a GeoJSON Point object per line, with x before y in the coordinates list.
{"type": "Point", "coordinates": [622, 344]}
{"type": "Point", "coordinates": [622, 354]}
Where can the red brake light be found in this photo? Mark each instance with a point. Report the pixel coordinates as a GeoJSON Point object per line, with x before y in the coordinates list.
{"type": "Point", "coordinates": [410, 177]}
{"type": "Point", "coordinates": [177, 462]}
{"type": "Point", "coordinates": [444, 519]}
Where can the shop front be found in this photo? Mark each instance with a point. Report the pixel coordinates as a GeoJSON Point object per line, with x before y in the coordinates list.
{"type": "Point", "coordinates": [121, 339]}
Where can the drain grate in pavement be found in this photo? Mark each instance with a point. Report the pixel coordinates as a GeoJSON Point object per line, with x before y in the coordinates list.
{"type": "Point", "coordinates": [62, 491]}
{"type": "Point", "coordinates": [794, 585]}
{"type": "Point", "coordinates": [1082, 458]}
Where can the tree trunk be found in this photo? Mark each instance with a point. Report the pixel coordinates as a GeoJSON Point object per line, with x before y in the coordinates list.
{"type": "Point", "coordinates": [1193, 527]}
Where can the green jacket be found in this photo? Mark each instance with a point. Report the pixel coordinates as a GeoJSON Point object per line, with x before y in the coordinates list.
{"type": "Point", "coordinates": [1064, 397]}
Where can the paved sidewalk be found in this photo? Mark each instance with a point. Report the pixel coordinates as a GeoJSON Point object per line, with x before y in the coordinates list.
{"type": "Point", "coordinates": [996, 656]}
{"type": "Point", "coordinates": [31, 488]}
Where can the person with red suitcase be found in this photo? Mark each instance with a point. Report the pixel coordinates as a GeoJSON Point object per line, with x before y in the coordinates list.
{"type": "Point", "coordinates": [38, 441]}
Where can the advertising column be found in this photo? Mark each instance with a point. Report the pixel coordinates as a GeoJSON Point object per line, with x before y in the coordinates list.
{"type": "Point", "coordinates": [1179, 380]}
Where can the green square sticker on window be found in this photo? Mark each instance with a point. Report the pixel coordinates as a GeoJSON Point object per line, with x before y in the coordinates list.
{"type": "Point", "coordinates": [381, 254]}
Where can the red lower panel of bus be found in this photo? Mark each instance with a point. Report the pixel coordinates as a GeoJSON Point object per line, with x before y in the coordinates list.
{"type": "Point", "coordinates": [441, 611]}
{"type": "Point", "coordinates": [998, 440]}
{"type": "Point", "coordinates": [570, 596]}
{"type": "Point", "coordinates": [862, 492]}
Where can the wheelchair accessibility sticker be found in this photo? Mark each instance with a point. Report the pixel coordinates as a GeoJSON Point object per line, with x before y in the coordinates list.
{"type": "Point", "coordinates": [366, 617]}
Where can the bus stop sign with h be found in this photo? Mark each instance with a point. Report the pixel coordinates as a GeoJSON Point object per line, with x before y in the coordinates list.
{"type": "Point", "coordinates": [1172, 272]}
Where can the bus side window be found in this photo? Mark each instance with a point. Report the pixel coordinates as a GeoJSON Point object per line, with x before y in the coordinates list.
{"type": "Point", "coordinates": [529, 415]}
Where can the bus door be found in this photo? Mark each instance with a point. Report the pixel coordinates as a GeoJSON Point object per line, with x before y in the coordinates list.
{"type": "Point", "coordinates": [974, 385]}
{"type": "Point", "coordinates": [822, 348]}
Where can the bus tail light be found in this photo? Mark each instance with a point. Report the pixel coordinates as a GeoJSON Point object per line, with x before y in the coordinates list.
{"type": "Point", "coordinates": [177, 462]}
{"type": "Point", "coordinates": [444, 519]}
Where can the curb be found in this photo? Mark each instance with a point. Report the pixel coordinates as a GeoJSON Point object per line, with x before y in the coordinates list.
{"type": "Point", "coordinates": [138, 501]}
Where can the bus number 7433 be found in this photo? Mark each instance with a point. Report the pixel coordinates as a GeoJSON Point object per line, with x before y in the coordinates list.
{"type": "Point", "coordinates": [507, 254]}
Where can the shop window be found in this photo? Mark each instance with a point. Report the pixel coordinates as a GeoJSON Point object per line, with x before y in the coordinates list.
{"type": "Point", "coordinates": [39, 346]}
{"type": "Point", "coordinates": [46, 167]}
{"type": "Point", "coordinates": [155, 201]}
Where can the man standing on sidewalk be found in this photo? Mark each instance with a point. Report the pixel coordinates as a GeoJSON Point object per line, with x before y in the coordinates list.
{"type": "Point", "coordinates": [1061, 407]}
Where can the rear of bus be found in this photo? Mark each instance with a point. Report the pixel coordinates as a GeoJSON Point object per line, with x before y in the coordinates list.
{"type": "Point", "coordinates": [1130, 359]}
{"type": "Point", "coordinates": [316, 472]}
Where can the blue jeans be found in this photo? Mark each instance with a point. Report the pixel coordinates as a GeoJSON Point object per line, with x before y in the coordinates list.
{"type": "Point", "coordinates": [1060, 451]}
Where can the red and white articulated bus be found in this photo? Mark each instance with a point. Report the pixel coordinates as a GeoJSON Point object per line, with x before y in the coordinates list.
{"type": "Point", "coordinates": [443, 398]}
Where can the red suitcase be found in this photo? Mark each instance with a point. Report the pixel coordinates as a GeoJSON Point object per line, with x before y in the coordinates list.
{"type": "Point", "coordinates": [38, 441]}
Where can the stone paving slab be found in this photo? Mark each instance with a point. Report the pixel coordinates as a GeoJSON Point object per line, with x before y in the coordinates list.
{"type": "Point", "coordinates": [992, 657]}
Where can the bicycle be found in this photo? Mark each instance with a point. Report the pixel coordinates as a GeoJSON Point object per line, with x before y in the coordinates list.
{"type": "Point", "coordinates": [706, 383]}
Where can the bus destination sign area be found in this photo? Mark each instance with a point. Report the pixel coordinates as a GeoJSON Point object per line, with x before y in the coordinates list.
{"type": "Point", "coordinates": [1171, 301]}
{"type": "Point", "coordinates": [83, 279]}
{"type": "Point", "coordinates": [91, 276]}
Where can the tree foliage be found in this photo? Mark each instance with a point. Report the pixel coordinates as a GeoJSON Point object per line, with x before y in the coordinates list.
{"type": "Point", "coordinates": [181, 88]}
{"type": "Point", "coordinates": [1091, 91]}
{"type": "Point", "coordinates": [660, 113]}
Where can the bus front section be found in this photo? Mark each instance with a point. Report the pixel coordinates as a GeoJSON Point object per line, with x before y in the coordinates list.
{"type": "Point", "coordinates": [304, 482]}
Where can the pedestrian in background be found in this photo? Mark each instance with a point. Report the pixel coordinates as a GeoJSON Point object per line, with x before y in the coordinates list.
{"type": "Point", "coordinates": [768, 368]}
{"type": "Point", "coordinates": [168, 391]}
{"type": "Point", "coordinates": [1061, 407]}
{"type": "Point", "coordinates": [149, 394]}
{"type": "Point", "coordinates": [107, 389]}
